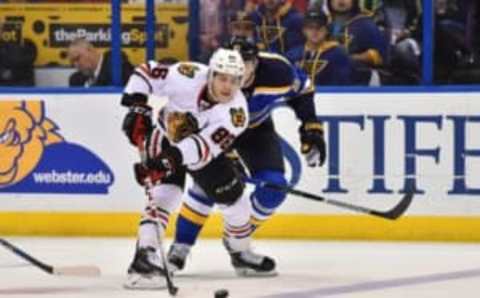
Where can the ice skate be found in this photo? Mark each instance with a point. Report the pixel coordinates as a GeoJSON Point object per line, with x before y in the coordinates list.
{"type": "Point", "coordinates": [146, 272]}
{"type": "Point", "coordinates": [249, 263]}
{"type": "Point", "coordinates": [177, 256]}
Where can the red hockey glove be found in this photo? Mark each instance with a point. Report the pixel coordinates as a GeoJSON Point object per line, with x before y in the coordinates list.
{"type": "Point", "coordinates": [137, 124]}
{"type": "Point", "coordinates": [166, 162]}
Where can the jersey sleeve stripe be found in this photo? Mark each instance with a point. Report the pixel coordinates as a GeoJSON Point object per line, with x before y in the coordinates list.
{"type": "Point", "coordinates": [145, 69]}
{"type": "Point", "coordinates": [155, 143]}
{"type": "Point", "coordinates": [206, 148]}
{"type": "Point", "coordinates": [272, 90]}
{"type": "Point", "coordinates": [199, 147]}
{"type": "Point", "coordinates": [139, 74]}
{"type": "Point", "coordinates": [275, 56]}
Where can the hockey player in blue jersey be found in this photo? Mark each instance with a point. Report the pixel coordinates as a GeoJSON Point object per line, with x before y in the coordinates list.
{"type": "Point", "coordinates": [322, 59]}
{"type": "Point", "coordinates": [279, 26]}
{"type": "Point", "coordinates": [270, 79]}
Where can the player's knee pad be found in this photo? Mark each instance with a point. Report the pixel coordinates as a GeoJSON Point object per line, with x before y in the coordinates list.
{"type": "Point", "coordinates": [237, 214]}
{"type": "Point", "coordinates": [163, 200]}
{"type": "Point", "coordinates": [265, 198]}
{"type": "Point", "coordinates": [166, 196]}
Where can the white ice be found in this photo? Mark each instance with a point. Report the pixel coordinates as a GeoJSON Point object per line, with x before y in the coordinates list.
{"type": "Point", "coordinates": [307, 269]}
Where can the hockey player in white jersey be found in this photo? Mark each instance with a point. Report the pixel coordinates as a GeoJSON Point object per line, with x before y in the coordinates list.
{"type": "Point", "coordinates": [205, 112]}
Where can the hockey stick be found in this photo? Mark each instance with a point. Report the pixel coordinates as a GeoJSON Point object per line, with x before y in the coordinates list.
{"type": "Point", "coordinates": [391, 214]}
{"type": "Point", "coordinates": [66, 271]}
{"type": "Point", "coordinates": [172, 289]}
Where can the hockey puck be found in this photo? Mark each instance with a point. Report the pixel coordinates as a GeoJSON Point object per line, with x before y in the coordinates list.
{"type": "Point", "coordinates": [222, 293]}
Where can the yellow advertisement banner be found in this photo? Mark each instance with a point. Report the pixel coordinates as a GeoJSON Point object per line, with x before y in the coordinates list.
{"type": "Point", "coordinates": [52, 27]}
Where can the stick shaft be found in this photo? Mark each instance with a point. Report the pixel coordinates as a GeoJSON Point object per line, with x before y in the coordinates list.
{"type": "Point", "coordinates": [19, 252]}
{"type": "Point", "coordinates": [392, 214]}
{"type": "Point", "coordinates": [172, 289]}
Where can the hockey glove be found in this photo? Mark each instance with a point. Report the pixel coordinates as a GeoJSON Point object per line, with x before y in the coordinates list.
{"type": "Point", "coordinates": [137, 124]}
{"type": "Point", "coordinates": [166, 162]}
{"type": "Point", "coordinates": [313, 143]}
{"type": "Point", "coordinates": [142, 173]}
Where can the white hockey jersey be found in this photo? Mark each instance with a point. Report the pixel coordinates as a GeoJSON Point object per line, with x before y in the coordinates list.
{"type": "Point", "coordinates": [185, 86]}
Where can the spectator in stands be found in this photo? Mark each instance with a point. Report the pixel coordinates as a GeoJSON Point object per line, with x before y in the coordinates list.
{"type": "Point", "coordinates": [279, 25]}
{"type": "Point", "coordinates": [60, 1]}
{"type": "Point", "coordinates": [157, 1]}
{"type": "Point", "coordinates": [400, 16]}
{"type": "Point", "coordinates": [324, 60]}
{"type": "Point", "coordinates": [474, 27]}
{"type": "Point", "coordinates": [317, 5]}
{"type": "Point", "coordinates": [470, 13]}
{"type": "Point", "coordinates": [211, 28]}
{"type": "Point", "coordinates": [363, 40]}
{"type": "Point", "coordinates": [17, 57]}
{"type": "Point", "coordinates": [399, 20]}
{"type": "Point", "coordinates": [300, 5]}
{"type": "Point", "coordinates": [456, 59]}
{"type": "Point", "coordinates": [370, 5]}
{"type": "Point", "coordinates": [449, 39]}
{"type": "Point", "coordinates": [241, 24]}
{"type": "Point", "coordinates": [94, 68]}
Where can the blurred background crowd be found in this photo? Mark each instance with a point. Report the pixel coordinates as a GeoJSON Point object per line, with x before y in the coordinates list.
{"type": "Point", "coordinates": [337, 42]}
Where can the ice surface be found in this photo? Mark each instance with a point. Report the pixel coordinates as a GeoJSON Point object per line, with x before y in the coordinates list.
{"type": "Point", "coordinates": [307, 269]}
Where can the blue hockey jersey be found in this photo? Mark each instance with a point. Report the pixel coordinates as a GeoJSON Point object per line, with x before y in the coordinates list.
{"type": "Point", "coordinates": [276, 81]}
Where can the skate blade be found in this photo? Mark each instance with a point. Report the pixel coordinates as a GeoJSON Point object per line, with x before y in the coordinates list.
{"type": "Point", "coordinates": [249, 272]}
{"type": "Point", "coordinates": [137, 281]}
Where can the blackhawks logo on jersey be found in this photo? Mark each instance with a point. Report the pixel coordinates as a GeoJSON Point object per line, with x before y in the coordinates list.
{"type": "Point", "coordinates": [188, 70]}
{"type": "Point", "coordinates": [238, 117]}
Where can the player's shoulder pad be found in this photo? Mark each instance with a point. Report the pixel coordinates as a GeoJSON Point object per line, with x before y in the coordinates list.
{"type": "Point", "coordinates": [275, 72]}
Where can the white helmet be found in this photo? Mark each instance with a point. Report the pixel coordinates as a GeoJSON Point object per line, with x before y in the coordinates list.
{"type": "Point", "coordinates": [228, 62]}
{"type": "Point", "coordinates": [225, 61]}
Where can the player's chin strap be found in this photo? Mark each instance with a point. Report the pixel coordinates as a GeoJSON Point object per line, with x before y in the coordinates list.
{"type": "Point", "coordinates": [391, 214]}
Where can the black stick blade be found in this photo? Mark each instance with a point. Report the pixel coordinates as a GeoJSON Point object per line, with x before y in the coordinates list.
{"type": "Point", "coordinates": [172, 290]}
{"type": "Point", "coordinates": [398, 210]}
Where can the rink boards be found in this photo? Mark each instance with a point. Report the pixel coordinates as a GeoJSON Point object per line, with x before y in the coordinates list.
{"type": "Point", "coordinates": [66, 167]}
